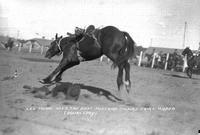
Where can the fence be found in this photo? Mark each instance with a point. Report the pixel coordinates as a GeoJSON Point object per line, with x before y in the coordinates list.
{"type": "Point", "coordinates": [31, 49]}
{"type": "Point", "coordinates": [141, 57]}
{"type": "Point", "coordinates": [42, 49]}
{"type": "Point", "coordinates": [141, 61]}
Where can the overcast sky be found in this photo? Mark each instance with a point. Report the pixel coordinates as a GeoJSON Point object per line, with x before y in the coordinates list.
{"type": "Point", "coordinates": [159, 20]}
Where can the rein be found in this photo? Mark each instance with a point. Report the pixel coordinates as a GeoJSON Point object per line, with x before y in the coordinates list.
{"type": "Point", "coordinates": [58, 44]}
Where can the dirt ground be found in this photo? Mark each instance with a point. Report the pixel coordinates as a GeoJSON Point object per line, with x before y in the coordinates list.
{"type": "Point", "coordinates": [160, 103]}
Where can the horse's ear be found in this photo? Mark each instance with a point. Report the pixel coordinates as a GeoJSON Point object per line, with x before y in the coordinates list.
{"type": "Point", "coordinates": [61, 36]}
{"type": "Point", "coordinates": [56, 35]}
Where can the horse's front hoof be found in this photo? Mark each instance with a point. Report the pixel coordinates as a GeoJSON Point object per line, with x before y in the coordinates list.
{"type": "Point", "coordinates": [45, 81]}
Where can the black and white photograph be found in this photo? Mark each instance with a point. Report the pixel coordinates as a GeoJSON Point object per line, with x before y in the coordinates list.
{"type": "Point", "coordinates": [100, 67]}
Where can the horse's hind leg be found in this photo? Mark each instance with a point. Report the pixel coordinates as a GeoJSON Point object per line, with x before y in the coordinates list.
{"type": "Point", "coordinates": [127, 76]}
{"type": "Point", "coordinates": [120, 77]}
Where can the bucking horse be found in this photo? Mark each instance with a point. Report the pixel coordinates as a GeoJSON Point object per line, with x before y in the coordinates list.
{"type": "Point", "coordinates": [117, 45]}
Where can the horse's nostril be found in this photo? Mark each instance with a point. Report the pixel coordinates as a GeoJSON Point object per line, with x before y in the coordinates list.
{"type": "Point", "coordinates": [47, 55]}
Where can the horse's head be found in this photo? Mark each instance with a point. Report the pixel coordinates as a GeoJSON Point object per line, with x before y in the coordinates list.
{"type": "Point", "coordinates": [187, 51]}
{"type": "Point", "coordinates": [55, 48]}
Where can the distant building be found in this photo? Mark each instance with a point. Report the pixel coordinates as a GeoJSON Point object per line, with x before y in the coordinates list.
{"type": "Point", "coordinates": [138, 49]}
{"type": "Point", "coordinates": [162, 49]}
{"type": "Point", "coordinates": [42, 41]}
{"type": "Point", "coordinates": [37, 43]}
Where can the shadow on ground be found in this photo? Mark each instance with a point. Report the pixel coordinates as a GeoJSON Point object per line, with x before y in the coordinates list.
{"type": "Point", "coordinates": [39, 60]}
{"type": "Point", "coordinates": [70, 90]}
{"type": "Point", "coordinates": [100, 91]}
{"type": "Point", "coordinates": [180, 76]}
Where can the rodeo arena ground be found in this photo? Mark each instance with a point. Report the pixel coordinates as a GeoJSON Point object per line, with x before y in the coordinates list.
{"type": "Point", "coordinates": [154, 96]}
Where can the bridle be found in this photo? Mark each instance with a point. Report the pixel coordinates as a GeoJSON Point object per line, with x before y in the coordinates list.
{"type": "Point", "coordinates": [58, 44]}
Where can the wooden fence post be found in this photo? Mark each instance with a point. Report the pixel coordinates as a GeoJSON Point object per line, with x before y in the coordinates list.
{"type": "Point", "coordinates": [153, 61]}
{"type": "Point", "coordinates": [30, 48]}
{"type": "Point", "coordinates": [19, 48]}
{"type": "Point", "coordinates": [166, 63]}
{"type": "Point", "coordinates": [2, 44]}
{"type": "Point", "coordinates": [140, 59]}
{"type": "Point", "coordinates": [184, 63]}
{"type": "Point", "coordinates": [42, 49]}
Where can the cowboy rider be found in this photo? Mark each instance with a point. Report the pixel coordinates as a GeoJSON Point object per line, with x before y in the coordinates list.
{"type": "Point", "coordinates": [90, 32]}
{"type": "Point", "coordinates": [77, 32]}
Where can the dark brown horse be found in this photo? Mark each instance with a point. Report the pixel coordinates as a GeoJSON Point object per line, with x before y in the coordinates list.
{"type": "Point", "coordinates": [110, 41]}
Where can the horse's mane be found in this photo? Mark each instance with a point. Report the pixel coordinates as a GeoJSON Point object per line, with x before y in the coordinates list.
{"type": "Point", "coordinates": [75, 39]}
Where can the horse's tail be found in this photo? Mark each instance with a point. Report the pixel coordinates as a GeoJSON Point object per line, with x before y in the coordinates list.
{"type": "Point", "coordinates": [130, 45]}
{"type": "Point", "coordinates": [127, 51]}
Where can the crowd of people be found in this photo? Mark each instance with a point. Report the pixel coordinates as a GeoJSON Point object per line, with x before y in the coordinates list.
{"type": "Point", "coordinates": [174, 60]}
